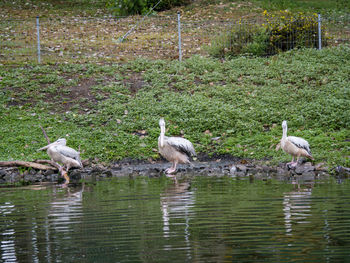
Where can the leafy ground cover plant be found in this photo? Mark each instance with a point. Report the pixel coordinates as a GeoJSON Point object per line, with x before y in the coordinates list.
{"type": "Point", "coordinates": [230, 107]}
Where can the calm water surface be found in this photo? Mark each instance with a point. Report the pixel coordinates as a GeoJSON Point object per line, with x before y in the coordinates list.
{"type": "Point", "coordinates": [196, 219]}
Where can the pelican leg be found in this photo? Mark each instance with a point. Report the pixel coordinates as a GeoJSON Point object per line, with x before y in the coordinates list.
{"type": "Point", "coordinates": [292, 163]}
{"type": "Point", "coordinates": [172, 169]}
{"type": "Point", "coordinates": [297, 161]}
{"type": "Point", "coordinates": [64, 173]}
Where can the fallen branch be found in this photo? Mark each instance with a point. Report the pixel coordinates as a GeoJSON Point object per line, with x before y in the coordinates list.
{"type": "Point", "coordinates": [52, 163]}
{"type": "Point", "coordinates": [27, 164]}
{"type": "Point", "coordinates": [44, 132]}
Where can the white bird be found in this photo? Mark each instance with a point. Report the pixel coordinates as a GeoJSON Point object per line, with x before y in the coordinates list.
{"type": "Point", "coordinates": [174, 149]}
{"type": "Point", "coordinates": [59, 152]}
{"type": "Point", "coordinates": [294, 146]}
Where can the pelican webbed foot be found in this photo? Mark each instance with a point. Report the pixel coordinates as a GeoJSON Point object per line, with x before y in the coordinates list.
{"type": "Point", "coordinates": [64, 173]}
{"type": "Point", "coordinates": [170, 170]}
{"type": "Point", "coordinates": [292, 164]}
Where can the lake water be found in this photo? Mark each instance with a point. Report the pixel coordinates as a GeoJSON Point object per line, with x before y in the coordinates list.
{"type": "Point", "coordinates": [196, 219]}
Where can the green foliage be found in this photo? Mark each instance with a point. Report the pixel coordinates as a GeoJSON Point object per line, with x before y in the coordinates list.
{"type": "Point", "coordinates": [241, 39]}
{"type": "Point", "coordinates": [258, 44]}
{"type": "Point", "coordinates": [281, 32]}
{"type": "Point", "coordinates": [126, 7]}
{"type": "Point", "coordinates": [166, 4]}
{"type": "Point", "coordinates": [292, 30]}
{"type": "Point", "coordinates": [241, 102]}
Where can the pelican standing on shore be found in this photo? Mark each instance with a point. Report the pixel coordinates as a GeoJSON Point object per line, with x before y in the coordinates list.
{"type": "Point", "coordinates": [174, 149]}
{"type": "Point", "coordinates": [60, 153]}
{"type": "Point", "coordinates": [294, 146]}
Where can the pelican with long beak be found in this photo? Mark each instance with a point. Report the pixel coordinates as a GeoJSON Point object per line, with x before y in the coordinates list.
{"type": "Point", "coordinates": [294, 146]}
{"type": "Point", "coordinates": [174, 149]}
{"type": "Point", "coordinates": [60, 153]}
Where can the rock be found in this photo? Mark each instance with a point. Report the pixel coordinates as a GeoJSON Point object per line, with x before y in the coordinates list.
{"type": "Point", "coordinates": [321, 167]}
{"type": "Point", "coordinates": [2, 173]}
{"type": "Point", "coordinates": [343, 171]}
{"type": "Point", "coordinates": [281, 171]}
{"type": "Point", "coordinates": [237, 170]}
{"type": "Point", "coordinates": [48, 172]}
{"type": "Point", "coordinates": [305, 178]}
{"type": "Point", "coordinates": [107, 173]}
{"type": "Point", "coordinates": [269, 169]}
{"type": "Point", "coordinates": [321, 173]}
{"type": "Point", "coordinates": [305, 168]}
{"type": "Point", "coordinates": [74, 174]}
{"type": "Point", "coordinates": [309, 175]}
{"type": "Point", "coordinates": [212, 167]}
{"type": "Point", "coordinates": [52, 177]}
{"type": "Point", "coordinates": [241, 168]}
{"type": "Point", "coordinates": [33, 172]}
{"type": "Point", "coordinates": [33, 177]}
{"type": "Point", "coordinates": [12, 177]}
{"type": "Point", "coordinates": [233, 170]}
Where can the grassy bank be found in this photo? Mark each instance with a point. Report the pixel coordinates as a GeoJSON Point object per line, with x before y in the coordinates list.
{"type": "Point", "coordinates": [233, 107]}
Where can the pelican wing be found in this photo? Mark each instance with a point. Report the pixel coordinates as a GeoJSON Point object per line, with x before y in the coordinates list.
{"type": "Point", "coordinates": [68, 152]}
{"type": "Point", "coordinates": [182, 145]}
{"type": "Point", "coordinates": [300, 143]}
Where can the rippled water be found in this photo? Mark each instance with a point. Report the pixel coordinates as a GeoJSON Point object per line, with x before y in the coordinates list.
{"type": "Point", "coordinates": [196, 219]}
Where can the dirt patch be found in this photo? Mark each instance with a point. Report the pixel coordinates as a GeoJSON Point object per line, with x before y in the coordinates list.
{"type": "Point", "coordinates": [78, 97]}
{"type": "Point", "coordinates": [80, 94]}
{"type": "Point", "coordinates": [135, 82]}
{"type": "Point", "coordinates": [67, 97]}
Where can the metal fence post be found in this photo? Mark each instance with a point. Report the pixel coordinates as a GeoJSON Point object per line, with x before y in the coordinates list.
{"type": "Point", "coordinates": [319, 32]}
{"type": "Point", "coordinates": [38, 37]}
{"type": "Point", "coordinates": [179, 32]}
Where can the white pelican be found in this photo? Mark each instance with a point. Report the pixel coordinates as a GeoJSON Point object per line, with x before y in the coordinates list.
{"type": "Point", "coordinates": [294, 146]}
{"type": "Point", "coordinates": [59, 152]}
{"type": "Point", "coordinates": [174, 149]}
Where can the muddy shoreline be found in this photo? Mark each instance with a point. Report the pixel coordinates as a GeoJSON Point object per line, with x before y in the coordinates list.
{"type": "Point", "coordinates": [204, 166]}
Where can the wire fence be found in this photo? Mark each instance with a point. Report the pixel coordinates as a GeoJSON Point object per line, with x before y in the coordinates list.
{"type": "Point", "coordinates": [82, 39]}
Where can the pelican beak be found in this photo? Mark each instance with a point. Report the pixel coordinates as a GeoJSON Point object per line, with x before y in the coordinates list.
{"type": "Point", "coordinates": [45, 147]}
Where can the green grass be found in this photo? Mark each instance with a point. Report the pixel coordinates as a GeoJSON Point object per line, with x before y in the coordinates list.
{"type": "Point", "coordinates": [243, 101]}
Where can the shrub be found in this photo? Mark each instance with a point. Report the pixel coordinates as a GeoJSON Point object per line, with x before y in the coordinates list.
{"type": "Point", "coordinates": [288, 31]}
{"type": "Point", "coordinates": [126, 7]}
{"type": "Point", "coordinates": [280, 32]}
{"type": "Point", "coordinates": [166, 4]}
{"type": "Point", "coordinates": [259, 43]}
{"type": "Point", "coordinates": [136, 7]}
{"type": "Point", "coordinates": [241, 39]}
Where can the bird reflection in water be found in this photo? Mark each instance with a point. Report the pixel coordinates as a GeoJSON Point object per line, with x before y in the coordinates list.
{"type": "Point", "coordinates": [7, 245]}
{"type": "Point", "coordinates": [296, 206]}
{"type": "Point", "coordinates": [176, 203]}
{"type": "Point", "coordinates": [65, 210]}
